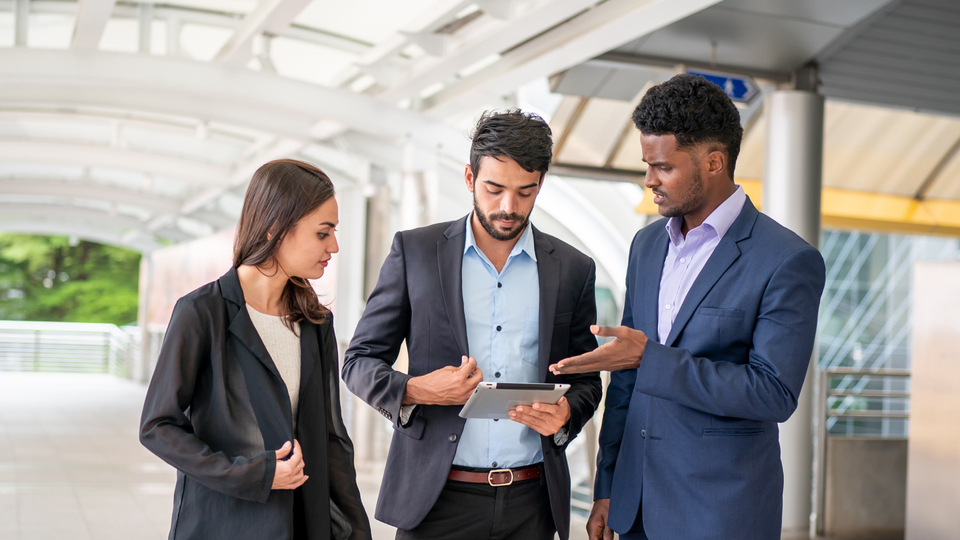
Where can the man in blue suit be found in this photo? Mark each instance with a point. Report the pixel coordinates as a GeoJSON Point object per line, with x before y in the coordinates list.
{"type": "Point", "coordinates": [718, 329]}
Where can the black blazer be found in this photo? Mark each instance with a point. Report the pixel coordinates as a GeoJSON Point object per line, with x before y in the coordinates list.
{"type": "Point", "coordinates": [217, 410]}
{"type": "Point", "coordinates": [418, 298]}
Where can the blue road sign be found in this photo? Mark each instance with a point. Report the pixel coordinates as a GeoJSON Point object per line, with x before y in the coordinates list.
{"type": "Point", "coordinates": [738, 87]}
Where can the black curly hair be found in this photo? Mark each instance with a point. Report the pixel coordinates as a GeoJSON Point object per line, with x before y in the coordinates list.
{"type": "Point", "coordinates": [522, 137]}
{"type": "Point", "coordinates": [695, 111]}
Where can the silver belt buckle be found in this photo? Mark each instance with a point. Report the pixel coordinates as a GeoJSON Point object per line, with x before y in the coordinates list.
{"type": "Point", "coordinates": [491, 473]}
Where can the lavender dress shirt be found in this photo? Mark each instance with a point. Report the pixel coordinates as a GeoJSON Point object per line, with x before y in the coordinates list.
{"type": "Point", "coordinates": [687, 256]}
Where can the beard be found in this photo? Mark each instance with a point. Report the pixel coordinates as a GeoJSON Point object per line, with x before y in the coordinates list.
{"type": "Point", "coordinates": [486, 221]}
{"type": "Point", "coordinates": [689, 204]}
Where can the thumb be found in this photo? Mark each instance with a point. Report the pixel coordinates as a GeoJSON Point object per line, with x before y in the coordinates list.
{"type": "Point", "coordinates": [468, 365]}
{"type": "Point", "coordinates": [284, 450]}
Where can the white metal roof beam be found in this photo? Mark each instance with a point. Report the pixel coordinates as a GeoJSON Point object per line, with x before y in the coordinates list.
{"type": "Point", "coordinates": [11, 211]}
{"type": "Point", "coordinates": [502, 37]}
{"type": "Point", "coordinates": [92, 17]}
{"type": "Point", "coordinates": [32, 151]}
{"type": "Point", "coordinates": [601, 29]}
{"type": "Point", "coordinates": [234, 96]}
{"type": "Point", "coordinates": [270, 16]}
{"type": "Point", "coordinates": [90, 191]}
{"type": "Point", "coordinates": [144, 242]}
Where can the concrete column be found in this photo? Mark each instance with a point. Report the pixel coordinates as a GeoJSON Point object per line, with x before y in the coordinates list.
{"type": "Point", "coordinates": [370, 437]}
{"type": "Point", "coordinates": [141, 371]}
{"type": "Point", "coordinates": [22, 23]}
{"type": "Point", "coordinates": [145, 13]}
{"type": "Point", "coordinates": [792, 182]}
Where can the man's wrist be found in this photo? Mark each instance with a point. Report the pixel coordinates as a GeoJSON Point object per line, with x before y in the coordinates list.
{"type": "Point", "coordinates": [412, 394]}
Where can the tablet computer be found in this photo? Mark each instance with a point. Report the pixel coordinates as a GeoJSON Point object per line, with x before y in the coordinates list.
{"type": "Point", "coordinates": [494, 400]}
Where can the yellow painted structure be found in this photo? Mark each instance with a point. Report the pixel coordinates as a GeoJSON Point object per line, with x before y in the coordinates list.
{"type": "Point", "coordinates": [856, 210]}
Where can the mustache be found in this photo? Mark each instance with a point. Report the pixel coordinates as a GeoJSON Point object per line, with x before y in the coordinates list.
{"type": "Point", "coordinates": [506, 217]}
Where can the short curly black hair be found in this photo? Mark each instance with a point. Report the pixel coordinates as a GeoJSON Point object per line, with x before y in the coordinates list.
{"type": "Point", "coordinates": [695, 111]}
{"type": "Point", "coordinates": [522, 137]}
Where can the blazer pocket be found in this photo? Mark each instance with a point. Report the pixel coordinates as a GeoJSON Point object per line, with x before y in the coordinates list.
{"type": "Point", "coordinates": [721, 312]}
{"type": "Point", "coordinates": [563, 318]}
{"type": "Point", "coordinates": [732, 432]}
{"type": "Point", "coordinates": [414, 429]}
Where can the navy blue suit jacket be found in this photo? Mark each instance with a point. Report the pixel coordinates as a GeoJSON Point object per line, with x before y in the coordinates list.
{"type": "Point", "coordinates": [689, 442]}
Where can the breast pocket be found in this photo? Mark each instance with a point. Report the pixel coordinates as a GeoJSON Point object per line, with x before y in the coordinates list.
{"type": "Point", "coordinates": [724, 325]}
{"type": "Point", "coordinates": [530, 335]}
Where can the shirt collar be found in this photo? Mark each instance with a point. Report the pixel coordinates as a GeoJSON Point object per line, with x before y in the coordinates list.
{"type": "Point", "coordinates": [524, 245]}
{"type": "Point", "coordinates": [720, 220]}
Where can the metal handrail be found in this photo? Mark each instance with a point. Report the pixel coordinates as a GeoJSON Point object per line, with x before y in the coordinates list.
{"type": "Point", "coordinates": [825, 392]}
{"type": "Point", "coordinates": [71, 347]}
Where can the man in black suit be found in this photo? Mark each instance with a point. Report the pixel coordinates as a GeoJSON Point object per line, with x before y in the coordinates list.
{"type": "Point", "coordinates": [486, 297]}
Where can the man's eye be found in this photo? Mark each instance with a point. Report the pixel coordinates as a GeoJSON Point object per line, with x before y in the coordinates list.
{"type": "Point", "coordinates": [525, 195]}
{"type": "Point", "coordinates": [494, 192]}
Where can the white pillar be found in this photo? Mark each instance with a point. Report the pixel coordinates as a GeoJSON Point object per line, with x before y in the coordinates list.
{"type": "Point", "coordinates": [792, 182]}
{"type": "Point", "coordinates": [22, 22]}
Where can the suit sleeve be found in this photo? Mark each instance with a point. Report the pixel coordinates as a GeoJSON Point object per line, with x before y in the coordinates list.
{"type": "Point", "coordinates": [586, 388]}
{"type": "Point", "coordinates": [615, 410]}
{"type": "Point", "coordinates": [767, 386]}
{"type": "Point", "coordinates": [166, 430]}
{"type": "Point", "coordinates": [368, 363]}
{"type": "Point", "coordinates": [343, 474]}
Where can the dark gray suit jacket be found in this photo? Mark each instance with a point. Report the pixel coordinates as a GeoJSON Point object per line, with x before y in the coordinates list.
{"type": "Point", "coordinates": [217, 410]}
{"type": "Point", "coordinates": [418, 298]}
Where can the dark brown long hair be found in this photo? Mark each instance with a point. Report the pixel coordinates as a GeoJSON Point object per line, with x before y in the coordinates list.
{"type": "Point", "coordinates": [280, 194]}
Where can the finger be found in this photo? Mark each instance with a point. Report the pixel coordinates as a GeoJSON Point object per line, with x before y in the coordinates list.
{"type": "Point", "coordinates": [284, 451]}
{"type": "Point", "coordinates": [476, 378]}
{"type": "Point", "coordinates": [463, 360]}
{"type": "Point", "coordinates": [607, 533]}
{"type": "Point", "coordinates": [574, 364]}
{"type": "Point", "coordinates": [610, 331]}
{"type": "Point", "coordinates": [466, 368]}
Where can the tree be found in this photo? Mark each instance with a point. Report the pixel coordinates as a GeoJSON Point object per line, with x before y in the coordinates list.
{"type": "Point", "coordinates": [48, 278]}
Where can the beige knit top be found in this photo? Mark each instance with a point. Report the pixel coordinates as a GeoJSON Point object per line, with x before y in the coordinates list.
{"type": "Point", "coordinates": [284, 348]}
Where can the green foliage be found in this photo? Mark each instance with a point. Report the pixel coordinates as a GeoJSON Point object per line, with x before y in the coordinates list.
{"type": "Point", "coordinates": [44, 278]}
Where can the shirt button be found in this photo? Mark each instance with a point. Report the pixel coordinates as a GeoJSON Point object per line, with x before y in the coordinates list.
{"type": "Point", "coordinates": [683, 260]}
{"type": "Point", "coordinates": [496, 419]}
{"type": "Point", "coordinates": [643, 433]}
{"type": "Point", "coordinates": [499, 285]}
{"type": "Point", "coordinates": [494, 463]}
{"type": "Point", "coordinates": [498, 328]}
{"type": "Point", "coordinates": [452, 437]}
{"type": "Point", "coordinates": [668, 306]}
{"type": "Point", "coordinates": [497, 374]}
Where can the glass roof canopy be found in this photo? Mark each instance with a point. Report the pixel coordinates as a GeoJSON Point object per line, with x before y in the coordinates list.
{"type": "Point", "coordinates": [139, 123]}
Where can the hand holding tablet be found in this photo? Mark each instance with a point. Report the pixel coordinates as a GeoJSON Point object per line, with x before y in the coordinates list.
{"type": "Point", "coordinates": [495, 400]}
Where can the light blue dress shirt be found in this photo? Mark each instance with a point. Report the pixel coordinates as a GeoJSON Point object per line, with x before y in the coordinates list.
{"type": "Point", "coordinates": [686, 257]}
{"type": "Point", "coordinates": [502, 312]}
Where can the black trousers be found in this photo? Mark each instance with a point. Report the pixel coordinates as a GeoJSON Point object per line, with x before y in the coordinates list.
{"type": "Point", "coordinates": [466, 511]}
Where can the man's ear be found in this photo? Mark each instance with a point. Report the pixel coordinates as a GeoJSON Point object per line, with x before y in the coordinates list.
{"type": "Point", "coordinates": [715, 162]}
{"type": "Point", "coordinates": [468, 177]}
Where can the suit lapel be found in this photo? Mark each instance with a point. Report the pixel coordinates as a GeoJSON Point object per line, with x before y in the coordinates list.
{"type": "Point", "coordinates": [269, 399]}
{"type": "Point", "coordinates": [652, 273]}
{"type": "Point", "coordinates": [548, 269]}
{"type": "Point", "coordinates": [240, 324]}
{"type": "Point", "coordinates": [309, 351]}
{"type": "Point", "coordinates": [723, 257]}
{"type": "Point", "coordinates": [450, 260]}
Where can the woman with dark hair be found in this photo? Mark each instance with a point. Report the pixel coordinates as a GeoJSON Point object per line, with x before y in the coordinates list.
{"type": "Point", "coordinates": [245, 398]}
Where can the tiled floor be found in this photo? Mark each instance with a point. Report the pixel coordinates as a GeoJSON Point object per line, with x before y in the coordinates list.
{"type": "Point", "coordinates": [72, 467]}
